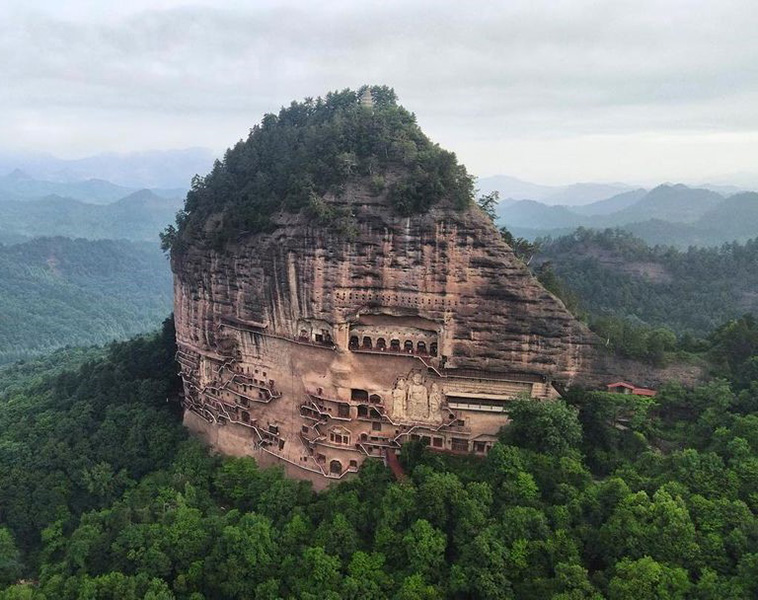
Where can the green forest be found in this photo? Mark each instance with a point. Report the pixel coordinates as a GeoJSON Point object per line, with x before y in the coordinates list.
{"type": "Point", "coordinates": [613, 273]}
{"type": "Point", "coordinates": [104, 496]}
{"type": "Point", "coordinates": [312, 148]}
{"type": "Point", "coordinates": [60, 292]}
{"type": "Point", "coordinates": [137, 217]}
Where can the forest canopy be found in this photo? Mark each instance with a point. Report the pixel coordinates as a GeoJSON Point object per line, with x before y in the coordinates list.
{"type": "Point", "coordinates": [103, 496]}
{"type": "Point", "coordinates": [613, 273]}
{"type": "Point", "coordinates": [60, 292]}
{"type": "Point", "coordinates": [312, 148]}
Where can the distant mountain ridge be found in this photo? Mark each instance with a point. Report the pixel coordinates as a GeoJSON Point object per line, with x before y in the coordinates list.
{"type": "Point", "coordinates": [112, 281]}
{"type": "Point", "coordinates": [738, 213]}
{"type": "Point", "coordinates": [614, 273]}
{"type": "Point", "coordinates": [511, 188]}
{"type": "Point", "coordinates": [150, 169]}
{"type": "Point", "coordinates": [675, 203]}
{"type": "Point", "coordinates": [514, 188]}
{"type": "Point", "coordinates": [670, 214]}
{"type": "Point", "coordinates": [140, 216]}
{"type": "Point", "coordinates": [18, 185]}
{"type": "Point", "coordinates": [612, 204]}
{"type": "Point", "coordinates": [575, 195]}
{"type": "Point", "coordinates": [533, 214]}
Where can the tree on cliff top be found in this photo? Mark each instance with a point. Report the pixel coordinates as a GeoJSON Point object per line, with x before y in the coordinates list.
{"type": "Point", "coordinates": [312, 148]}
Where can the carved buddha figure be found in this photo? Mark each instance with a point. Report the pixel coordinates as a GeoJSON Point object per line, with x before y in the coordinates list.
{"type": "Point", "coordinates": [435, 401]}
{"type": "Point", "coordinates": [399, 399]}
{"type": "Point", "coordinates": [418, 398]}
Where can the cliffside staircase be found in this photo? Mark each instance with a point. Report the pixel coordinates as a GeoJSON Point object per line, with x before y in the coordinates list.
{"type": "Point", "coordinates": [391, 461]}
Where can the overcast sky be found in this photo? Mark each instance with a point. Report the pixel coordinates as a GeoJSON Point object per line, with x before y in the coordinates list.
{"type": "Point", "coordinates": [547, 91]}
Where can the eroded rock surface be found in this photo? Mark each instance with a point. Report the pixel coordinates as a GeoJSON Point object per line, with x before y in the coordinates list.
{"type": "Point", "coordinates": [321, 348]}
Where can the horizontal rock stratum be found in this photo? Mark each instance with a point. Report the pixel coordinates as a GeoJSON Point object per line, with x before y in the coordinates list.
{"type": "Point", "coordinates": [337, 323]}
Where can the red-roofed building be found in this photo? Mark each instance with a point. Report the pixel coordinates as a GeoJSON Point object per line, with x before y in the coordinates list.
{"type": "Point", "coordinates": [622, 387]}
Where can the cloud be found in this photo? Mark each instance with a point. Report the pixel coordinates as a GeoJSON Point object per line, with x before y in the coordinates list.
{"type": "Point", "coordinates": [523, 70]}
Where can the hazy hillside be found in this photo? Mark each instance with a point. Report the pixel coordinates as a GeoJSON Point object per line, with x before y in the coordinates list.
{"type": "Point", "coordinates": [139, 216]}
{"type": "Point", "coordinates": [56, 292]}
{"type": "Point", "coordinates": [8, 237]}
{"type": "Point", "coordinates": [681, 235]}
{"type": "Point", "coordinates": [614, 273]}
{"type": "Point", "coordinates": [571, 195]}
{"type": "Point", "coordinates": [612, 204]}
{"type": "Point", "coordinates": [674, 203]}
{"type": "Point", "coordinates": [578, 194]}
{"type": "Point", "coordinates": [738, 214]}
{"type": "Point", "coordinates": [18, 186]}
{"type": "Point", "coordinates": [668, 214]}
{"type": "Point", "coordinates": [151, 169]}
{"type": "Point", "coordinates": [511, 187]}
{"type": "Point", "coordinates": [526, 213]}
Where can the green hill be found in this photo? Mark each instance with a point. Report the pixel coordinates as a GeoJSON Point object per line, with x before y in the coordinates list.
{"type": "Point", "coordinates": [614, 273]}
{"type": "Point", "coordinates": [312, 148]}
{"type": "Point", "coordinates": [140, 216]}
{"type": "Point", "coordinates": [737, 214]}
{"type": "Point", "coordinates": [611, 205]}
{"type": "Point", "coordinates": [19, 186]}
{"type": "Point", "coordinates": [57, 292]}
{"type": "Point", "coordinates": [525, 213]}
{"type": "Point", "coordinates": [672, 215]}
{"type": "Point", "coordinates": [674, 203]}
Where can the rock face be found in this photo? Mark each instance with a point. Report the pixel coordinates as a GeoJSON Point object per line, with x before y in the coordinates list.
{"type": "Point", "coordinates": [320, 349]}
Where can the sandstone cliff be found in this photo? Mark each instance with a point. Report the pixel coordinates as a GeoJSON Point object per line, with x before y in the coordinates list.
{"type": "Point", "coordinates": [322, 320]}
{"type": "Point", "coordinates": [447, 266]}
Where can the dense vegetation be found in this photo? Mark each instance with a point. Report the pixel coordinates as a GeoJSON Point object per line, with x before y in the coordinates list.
{"type": "Point", "coordinates": [612, 273]}
{"type": "Point", "coordinates": [310, 149]}
{"type": "Point", "coordinates": [19, 375]}
{"type": "Point", "coordinates": [56, 292]}
{"type": "Point", "coordinates": [628, 337]}
{"type": "Point", "coordinates": [601, 496]}
{"type": "Point", "coordinates": [104, 496]}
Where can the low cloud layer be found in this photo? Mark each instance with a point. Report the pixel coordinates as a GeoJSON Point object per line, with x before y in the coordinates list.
{"type": "Point", "coordinates": [547, 90]}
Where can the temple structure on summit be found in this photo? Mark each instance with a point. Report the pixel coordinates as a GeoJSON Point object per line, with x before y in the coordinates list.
{"type": "Point", "coordinates": [367, 99]}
